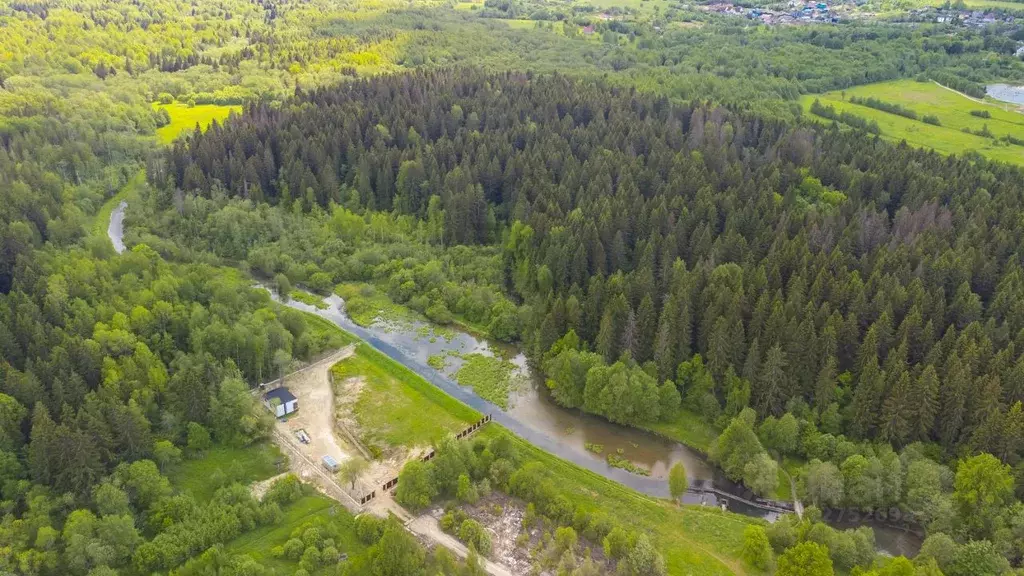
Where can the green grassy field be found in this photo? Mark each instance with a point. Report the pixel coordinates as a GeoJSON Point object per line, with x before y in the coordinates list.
{"type": "Point", "coordinates": [694, 540]}
{"type": "Point", "coordinates": [1013, 6]}
{"type": "Point", "coordinates": [184, 118]}
{"type": "Point", "coordinates": [396, 407]}
{"type": "Point", "coordinates": [952, 109]}
{"type": "Point", "coordinates": [244, 465]}
{"type": "Point", "coordinates": [306, 510]}
{"type": "Point", "coordinates": [687, 428]}
{"type": "Point", "coordinates": [365, 303]}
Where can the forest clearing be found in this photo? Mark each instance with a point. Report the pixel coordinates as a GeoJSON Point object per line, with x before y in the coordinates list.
{"type": "Point", "coordinates": [185, 117]}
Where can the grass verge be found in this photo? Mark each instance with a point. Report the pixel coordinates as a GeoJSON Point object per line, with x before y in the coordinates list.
{"type": "Point", "coordinates": [395, 406]}
{"type": "Point", "coordinates": [689, 429]}
{"type": "Point", "coordinates": [101, 220]}
{"type": "Point", "coordinates": [221, 465]}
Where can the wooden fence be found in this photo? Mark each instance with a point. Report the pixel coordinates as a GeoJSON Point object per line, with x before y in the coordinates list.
{"type": "Point", "coordinates": [390, 484]}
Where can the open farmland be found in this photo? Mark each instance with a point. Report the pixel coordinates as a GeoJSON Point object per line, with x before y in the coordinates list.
{"type": "Point", "coordinates": [953, 111]}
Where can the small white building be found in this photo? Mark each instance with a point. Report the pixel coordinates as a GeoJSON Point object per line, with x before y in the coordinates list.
{"type": "Point", "coordinates": [281, 402]}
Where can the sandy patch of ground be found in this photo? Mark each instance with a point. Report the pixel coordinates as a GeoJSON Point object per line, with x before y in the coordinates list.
{"type": "Point", "coordinates": [426, 527]}
{"type": "Point", "coordinates": [388, 465]}
{"type": "Point", "coordinates": [259, 488]}
{"type": "Point", "coordinates": [315, 415]}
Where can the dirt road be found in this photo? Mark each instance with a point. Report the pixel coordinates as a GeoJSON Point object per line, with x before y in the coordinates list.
{"type": "Point", "coordinates": [426, 526]}
{"type": "Point", "coordinates": [312, 387]}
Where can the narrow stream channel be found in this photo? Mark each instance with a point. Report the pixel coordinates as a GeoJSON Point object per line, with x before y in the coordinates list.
{"type": "Point", "coordinates": [534, 416]}
{"type": "Point", "coordinates": [115, 230]}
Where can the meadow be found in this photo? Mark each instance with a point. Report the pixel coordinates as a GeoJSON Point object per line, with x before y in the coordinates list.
{"type": "Point", "coordinates": [185, 117]}
{"type": "Point", "coordinates": [219, 466]}
{"type": "Point", "coordinates": [310, 510]}
{"type": "Point", "coordinates": [395, 406]}
{"type": "Point", "coordinates": [952, 109]}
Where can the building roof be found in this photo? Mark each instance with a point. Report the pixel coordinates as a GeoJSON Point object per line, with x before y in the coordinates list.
{"type": "Point", "coordinates": [282, 394]}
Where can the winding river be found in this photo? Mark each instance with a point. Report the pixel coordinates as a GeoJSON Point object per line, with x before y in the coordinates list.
{"type": "Point", "coordinates": [534, 416]}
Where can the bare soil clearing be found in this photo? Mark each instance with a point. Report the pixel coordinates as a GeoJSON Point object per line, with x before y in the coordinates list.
{"type": "Point", "coordinates": [426, 526]}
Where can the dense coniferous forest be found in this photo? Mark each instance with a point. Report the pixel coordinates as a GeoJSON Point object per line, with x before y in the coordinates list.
{"type": "Point", "coordinates": [817, 293]}
{"type": "Point", "coordinates": [818, 266]}
{"type": "Point", "coordinates": [653, 224]}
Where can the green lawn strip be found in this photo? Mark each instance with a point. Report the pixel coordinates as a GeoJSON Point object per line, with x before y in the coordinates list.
{"type": "Point", "coordinates": [261, 541]}
{"type": "Point", "coordinates": [308, 299]}
{"type": "Point", "coordinates": [243, 465]}
{"type": "Point", "coordinates": [101, 220]}
{"type": "Point", "coordinates": [689, 429]}
{"type": "Point", "coordinates": [184, 117]}
{"type": "Point", "coordinates": [327, 331]}
{"type": "Point", "coordinates": [693, 539]}
{"type": "Point", "coordinates": [784, 491]}
{"type": "Point", "coordinates": [366, 303]}
{"type": "Point", "coordinates": [397, 407]}
{"type": "Point", "coordinates": [490, 377]}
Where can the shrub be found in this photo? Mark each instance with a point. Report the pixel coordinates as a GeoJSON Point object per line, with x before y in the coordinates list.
{"type": "Point", "coordinates": [757, 551]}
{"type": "Point", "coordinates": [284, 491]}
{"type": "Point", "coordinates": [473, 534]}
{"type": "Point", "coordinates": [293, 549]}
{"type": "Point", "coordinates": [369, 528]}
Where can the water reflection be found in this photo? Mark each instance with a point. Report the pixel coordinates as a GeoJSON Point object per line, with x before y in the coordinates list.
{"type": "Point", "coordinates": [534, 416]}
{"type": "Point", "coordinates": [115, 230]}
{"type": "Point", "coordinates": [1006, 93]}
